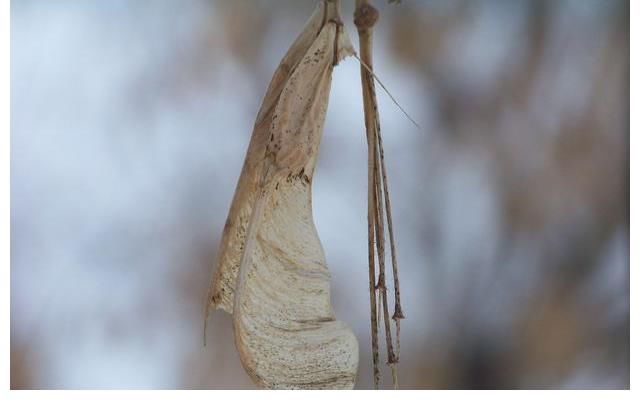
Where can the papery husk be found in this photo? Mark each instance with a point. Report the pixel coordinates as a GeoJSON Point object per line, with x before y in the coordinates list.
{"type": "Point", "coordinates": [271, 272]}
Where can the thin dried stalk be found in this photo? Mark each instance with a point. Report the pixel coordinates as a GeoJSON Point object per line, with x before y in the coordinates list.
{"type": "Point", "coordinates": [365, 18]}
{"type": "Point", "coordinates": [364, 34]}
{"type": "Point", "coordinates": [380, 240]}
{"type": "Point", "coordinates": [392, 357]}
{"type": "Point", "coordinates": [397, 314]}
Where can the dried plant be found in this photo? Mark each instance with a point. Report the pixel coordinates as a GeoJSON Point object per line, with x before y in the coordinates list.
{"type": "Point", "coordinates": [271, 272]}
{"type": "Point", "coordinates": [365, 17]}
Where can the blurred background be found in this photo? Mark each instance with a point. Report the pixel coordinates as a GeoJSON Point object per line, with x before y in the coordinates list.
{"type": "Point", "coordinates": [130, 121]}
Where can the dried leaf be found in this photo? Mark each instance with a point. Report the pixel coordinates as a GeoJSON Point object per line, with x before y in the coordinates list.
{"type": "Point", "coordinates": [271, 272]}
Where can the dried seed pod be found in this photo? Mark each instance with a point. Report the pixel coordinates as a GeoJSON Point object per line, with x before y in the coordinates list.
{"type": "Point", "coordinates": [271, 272]}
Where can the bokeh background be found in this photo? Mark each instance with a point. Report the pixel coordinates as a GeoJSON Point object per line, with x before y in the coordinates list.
{"type": "Point", "coordinates": [130, 121]}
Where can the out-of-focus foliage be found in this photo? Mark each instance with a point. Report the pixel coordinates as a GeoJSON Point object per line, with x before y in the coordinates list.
{"type": "Point", "coordinates": [130, 122]}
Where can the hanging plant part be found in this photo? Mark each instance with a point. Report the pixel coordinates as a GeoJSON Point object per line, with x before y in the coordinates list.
{"type": "Point", "coordinates": [379, 204]}
{"type": "Point", "coordinates": [271, 273]}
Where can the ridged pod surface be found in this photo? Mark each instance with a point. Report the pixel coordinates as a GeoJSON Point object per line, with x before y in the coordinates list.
{"type": "Point", "coordinates": [271, 272]}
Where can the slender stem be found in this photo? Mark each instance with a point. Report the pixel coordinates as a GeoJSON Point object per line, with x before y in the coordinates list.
{"type": "Point", "coordinates": [364, 34]}
{"type": "Point", "coordinates": [380, 239]}
{"type": "Point", "coordinates": [365, 17]}
{"type": "Point", "coordinates": [398, 313]}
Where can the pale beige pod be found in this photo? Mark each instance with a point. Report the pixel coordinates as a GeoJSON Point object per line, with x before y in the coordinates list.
{"type": "Point", "coordinates": [271, 272]}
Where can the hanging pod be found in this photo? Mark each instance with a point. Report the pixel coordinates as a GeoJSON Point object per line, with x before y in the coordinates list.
{"type": "Point", "coordinates": [271, 273]}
